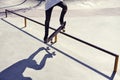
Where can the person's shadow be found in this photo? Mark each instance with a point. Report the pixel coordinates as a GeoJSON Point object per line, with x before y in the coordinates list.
{"type": "Point", "coordinates": [15, 71]}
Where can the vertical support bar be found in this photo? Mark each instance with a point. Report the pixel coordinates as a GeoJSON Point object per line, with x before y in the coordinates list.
{"type": "Point", "coordinates": [6, 13]}
{"type": "Point", "coordinates": [25, 22]}
{"type": "Point", "coordinates": [52, 41]}
{"type": "Point", "coordinates": [55, 38]}
{"type": "Point", "coordinates": [116, 63]}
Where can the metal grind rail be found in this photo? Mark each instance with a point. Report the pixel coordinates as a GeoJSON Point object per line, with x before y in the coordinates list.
{"type": "Point", "coordinates": [70, 36]}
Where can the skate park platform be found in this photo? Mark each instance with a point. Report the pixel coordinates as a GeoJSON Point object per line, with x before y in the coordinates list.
{"type": "Point", "coordinates": [73, 60]}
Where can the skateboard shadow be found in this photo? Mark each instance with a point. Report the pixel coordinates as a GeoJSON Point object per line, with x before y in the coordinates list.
{"type": "Point", "coordinates": [111, 77]}
{"type": "Point", "coordinates": [15, 71]}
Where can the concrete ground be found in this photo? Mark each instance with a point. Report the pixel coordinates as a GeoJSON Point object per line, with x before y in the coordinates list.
{"type": "Point", "coordinates": [23, 55]}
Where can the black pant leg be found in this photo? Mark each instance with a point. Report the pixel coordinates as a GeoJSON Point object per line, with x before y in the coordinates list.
{"type": "Point", "coordinates": [47, 21]}
{"type": "Point", "coordinates": [63, 12]}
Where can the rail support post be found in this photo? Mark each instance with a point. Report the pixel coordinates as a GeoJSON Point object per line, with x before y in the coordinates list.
{"type": "Point", "coordinates": [55, 40]}
{"type": "Point", "coordinates": [6, 13]}
{"type": "Point", "coordinates": [116, 63]}
{"type": "Point", "coordinates": [25, 22]}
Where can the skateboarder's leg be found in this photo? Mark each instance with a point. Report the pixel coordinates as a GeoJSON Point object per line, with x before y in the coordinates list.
{"type": "Point", "coordinates": [47, 21]}
{"type": "Point", "coordinates": [64, 10]}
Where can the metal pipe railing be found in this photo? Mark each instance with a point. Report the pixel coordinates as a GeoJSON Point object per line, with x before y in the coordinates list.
{"type": "Point", "coordinates": [70, 36]}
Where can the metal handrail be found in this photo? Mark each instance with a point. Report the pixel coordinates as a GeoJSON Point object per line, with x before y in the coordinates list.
{"type": "Point", "coordinates": [70, 36]}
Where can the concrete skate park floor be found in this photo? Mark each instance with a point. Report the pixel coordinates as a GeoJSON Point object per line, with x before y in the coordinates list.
{"type": "Point", "coordinates": [73, 60]}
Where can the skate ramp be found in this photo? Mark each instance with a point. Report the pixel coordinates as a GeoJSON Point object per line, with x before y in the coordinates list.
{"type": "Point", "coordinates": [91, 4]}
{"type": "Point", "coordinates": [76, 4]}
{"type": "Point", "coordinates": [72, 4]}
{"type": "Point", "coordinates": [11, 3]}
{"type": "Point", "coordinates": [18, 4]}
